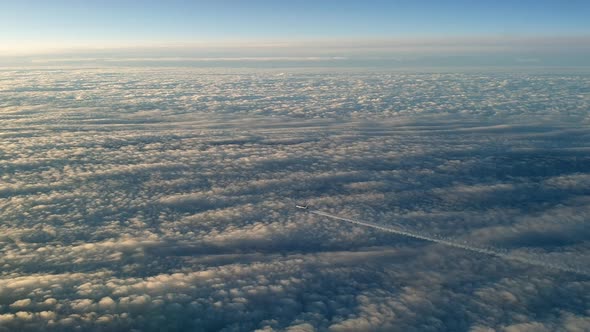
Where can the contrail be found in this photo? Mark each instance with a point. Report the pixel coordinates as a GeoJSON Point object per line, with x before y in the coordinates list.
{"type": "Point", "coordinates": [488, 251]}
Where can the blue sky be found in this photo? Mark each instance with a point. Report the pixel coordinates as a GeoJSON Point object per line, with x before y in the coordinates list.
{"type": "Point", "coordinates": [177, 20]}
{"type": "Point", "coordinates": [42, 27]}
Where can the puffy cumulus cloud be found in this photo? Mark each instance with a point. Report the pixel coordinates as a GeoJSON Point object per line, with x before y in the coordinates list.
{"type": "Point", "coordinates": [151, 199]}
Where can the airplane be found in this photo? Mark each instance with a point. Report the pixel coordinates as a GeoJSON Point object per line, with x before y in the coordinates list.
{"type": "Point", "coordinates": [302, 206]}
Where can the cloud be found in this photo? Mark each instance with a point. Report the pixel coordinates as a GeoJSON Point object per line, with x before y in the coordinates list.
{"type": "Point", "coordinates": [162, 199]}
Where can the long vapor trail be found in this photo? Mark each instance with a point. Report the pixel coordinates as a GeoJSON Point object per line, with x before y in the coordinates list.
{"type": "Point", "coordinates": [488, 251]}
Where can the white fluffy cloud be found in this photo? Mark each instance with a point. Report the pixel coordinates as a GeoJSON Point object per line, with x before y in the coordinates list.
{"type": "Point", "coordinates": [154, 199]}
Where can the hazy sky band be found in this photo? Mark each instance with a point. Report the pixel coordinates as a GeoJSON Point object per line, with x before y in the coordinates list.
{"type": "Point", "coordinates": [482, 51]}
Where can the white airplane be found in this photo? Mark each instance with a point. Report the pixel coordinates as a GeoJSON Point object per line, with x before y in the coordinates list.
{"type": "Point", "coordinates": [302, 206]}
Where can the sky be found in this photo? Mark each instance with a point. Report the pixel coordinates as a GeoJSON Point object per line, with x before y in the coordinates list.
{"type": "Point", "coordinates": [44, 26]}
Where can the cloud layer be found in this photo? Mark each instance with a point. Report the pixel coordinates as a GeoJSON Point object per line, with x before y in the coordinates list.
{"type": "Point", "coordinates": [154, 199]}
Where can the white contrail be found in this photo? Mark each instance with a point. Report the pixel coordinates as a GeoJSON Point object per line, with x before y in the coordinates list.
{"type": "Point", "coordinates": [487, 251]}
